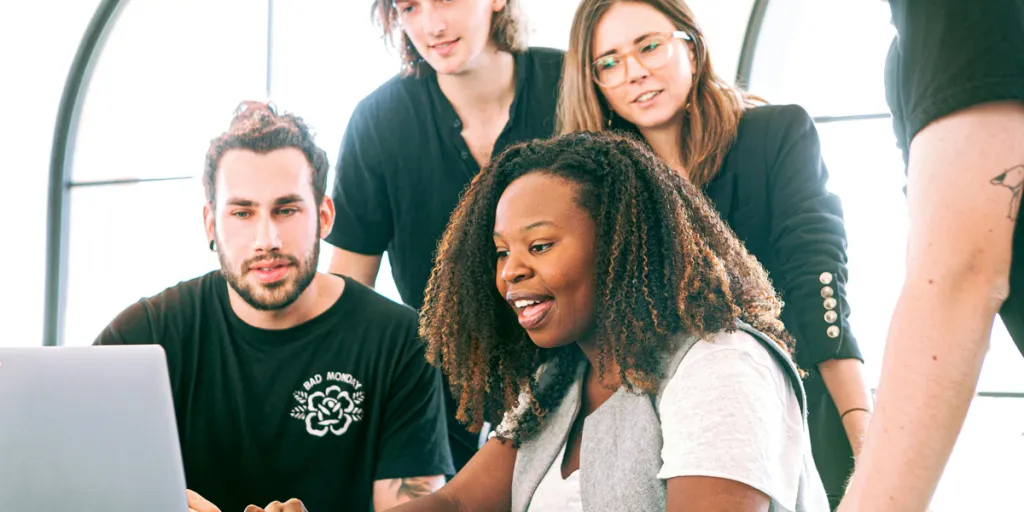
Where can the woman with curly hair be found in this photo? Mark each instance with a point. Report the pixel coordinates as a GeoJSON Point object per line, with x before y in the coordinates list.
{"type": "Point", "coordinates": [592, 300]}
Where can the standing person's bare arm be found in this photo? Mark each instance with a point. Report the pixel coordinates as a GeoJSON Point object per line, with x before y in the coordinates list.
{"type": "Point", "coordinates": [361, 267]}
{"type": "Point", "coordinates": [965, 173]}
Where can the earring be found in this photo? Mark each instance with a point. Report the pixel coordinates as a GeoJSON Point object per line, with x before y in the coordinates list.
{"type": "Point", "coordinates": [608, 124]}
{"type": "Point", "coordinates": [213, 246]}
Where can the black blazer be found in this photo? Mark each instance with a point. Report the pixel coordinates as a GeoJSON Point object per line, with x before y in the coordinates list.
{"type": "Point", "coordinates": [771, 192]}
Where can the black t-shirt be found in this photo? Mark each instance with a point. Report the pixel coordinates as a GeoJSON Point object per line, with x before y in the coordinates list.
{"type": "Point", "coordinates": [949, 55]}
{"type": "Point", "coordinates": [315, 412]}
{"type": "Point", "coordinates": [404, 163]}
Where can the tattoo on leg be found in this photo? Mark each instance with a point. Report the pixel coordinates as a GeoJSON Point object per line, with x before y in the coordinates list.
{"type": "Point", "coordinates": [413, 488]}
{"type": "Point", "coordinates": [1013, 179]}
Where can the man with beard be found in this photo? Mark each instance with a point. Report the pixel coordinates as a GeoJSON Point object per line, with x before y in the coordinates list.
{"type": "Point", "coordinates": [288, 383]}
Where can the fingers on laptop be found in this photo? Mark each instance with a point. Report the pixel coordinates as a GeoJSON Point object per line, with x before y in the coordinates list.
{"type": "Point", "coordinates": [197, 503]}
{"type": "Point", "coordinates": [292, 505]}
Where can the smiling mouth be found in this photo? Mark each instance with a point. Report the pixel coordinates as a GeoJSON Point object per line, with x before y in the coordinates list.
{"type": "Point", "coordinates": [531, 313]}
{"type": "Point", "coordinates": [646, 96]}
{"type": "Point", "coordinates": [445, 46]}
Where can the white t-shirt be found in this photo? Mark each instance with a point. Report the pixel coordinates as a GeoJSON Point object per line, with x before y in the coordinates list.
{"type": "Point", "coordinates": [729, 411]}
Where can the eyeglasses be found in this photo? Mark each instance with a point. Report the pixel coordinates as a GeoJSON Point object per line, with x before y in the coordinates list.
{"type": "Point", "coordinates": [652, 52]}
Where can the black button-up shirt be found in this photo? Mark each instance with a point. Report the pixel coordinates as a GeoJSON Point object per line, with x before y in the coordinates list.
{"type": "Point", "coordinates": [404, 163]}
{"type": "Point", "coordinates": [403, 166]}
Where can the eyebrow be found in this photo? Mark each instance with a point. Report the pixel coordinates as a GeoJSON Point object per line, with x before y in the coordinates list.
{"type": "Point", "coordinates": [528, 227]}
{"type": "Point", "coordinates": [639, 38]}
{"type": "Point", "coordinates": [281, 201]}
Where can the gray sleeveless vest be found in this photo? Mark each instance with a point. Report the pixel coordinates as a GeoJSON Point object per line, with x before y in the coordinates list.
{"type": "Point", "coordinates": [621, 448]}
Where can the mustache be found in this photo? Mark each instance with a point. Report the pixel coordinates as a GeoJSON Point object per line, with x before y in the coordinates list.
{"type": "Point", "coordinates": [252, 262]}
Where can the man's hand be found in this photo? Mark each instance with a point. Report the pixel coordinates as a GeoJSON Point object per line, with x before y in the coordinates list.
{"type": "Point", "coordinates": [197, 503]}
{"type": "Point", "coordinates": [292, 505]}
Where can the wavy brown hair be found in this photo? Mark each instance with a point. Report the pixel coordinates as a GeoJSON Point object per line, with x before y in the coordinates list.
{"type": "Point", "coordinates": [714, 110]}
{"type": "Point", "coordinates": [665, 265]}
{"type": "Point", "coordinates": [507, 31]}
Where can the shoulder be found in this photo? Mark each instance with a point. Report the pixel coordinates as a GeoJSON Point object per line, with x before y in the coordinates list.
{"type": "Point", "coordinates": [736, 345]}
{"type": "Point", "coordinates": [144, 320]}
{"type": "Point", "coordinates": [729, 365]}
{"type": "Point", "coordinates": [184, 300]}
{"type": "Point", "coordinates": [383, 123]}
{"type": "Point", "coordinates": [545, 56]}
{"type": "Point", "coordinates": [395, 96]}
{"type": "Point", "coordinates": [377, 312]}
{"type": "Point", "coordinates": [729, 412]}
{"type": "Point", "coordinates": [546, 62]}
{"type": "Point", "coordinates": [767, 118]}
{"type": "Point", "coordinates": [946, 20]}
{"type": "Point", "coordinates": [951, 55]}
{"type": "Point", "coordinates": [185, 297]}
{"type": "Point", "coordinates": [770, 132]}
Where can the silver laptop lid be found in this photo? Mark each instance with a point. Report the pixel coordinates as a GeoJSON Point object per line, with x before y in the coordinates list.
{"type": "Point", "coordinates": [88, 428]}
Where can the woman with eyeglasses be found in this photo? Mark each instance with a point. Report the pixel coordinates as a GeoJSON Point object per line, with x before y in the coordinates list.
{"type": "Point", "coordinates": [643, 67]}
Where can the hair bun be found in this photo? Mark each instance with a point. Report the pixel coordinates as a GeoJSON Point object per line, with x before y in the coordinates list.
{"type": "Point", "coordinates": [250, 112]}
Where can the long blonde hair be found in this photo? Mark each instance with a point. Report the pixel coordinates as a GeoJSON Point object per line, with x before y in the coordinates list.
{"type": "Point", "coordinates": [714, 106]}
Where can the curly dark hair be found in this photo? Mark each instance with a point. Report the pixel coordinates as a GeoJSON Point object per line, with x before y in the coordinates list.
{"type": "Point", "coordinates": [665, 265]}
{"type": "Point", "coordinates": [257, 126]}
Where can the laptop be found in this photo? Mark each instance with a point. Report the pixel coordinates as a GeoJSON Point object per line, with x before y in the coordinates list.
{"type": "Point", "coordinates": [88, 428]}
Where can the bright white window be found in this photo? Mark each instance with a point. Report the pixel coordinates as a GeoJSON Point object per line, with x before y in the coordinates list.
{"type": "Point", "coordinates": [37, 49]}
{"type": "Point", "coordinates": [166, 82]}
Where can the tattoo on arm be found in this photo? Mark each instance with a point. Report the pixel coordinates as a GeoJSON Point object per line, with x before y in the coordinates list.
{"type": "Point", "coordinates": [1013, 179]}
{"type": "Point", "coordinates": [415, 487]}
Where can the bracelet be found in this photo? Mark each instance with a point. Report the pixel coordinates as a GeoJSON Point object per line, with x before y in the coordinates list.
{"type": "Point", "coordinates": [843, 415]}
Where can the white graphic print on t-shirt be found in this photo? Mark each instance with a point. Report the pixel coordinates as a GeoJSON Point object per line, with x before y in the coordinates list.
{"type": "Point", "coordinates": [329, 403]}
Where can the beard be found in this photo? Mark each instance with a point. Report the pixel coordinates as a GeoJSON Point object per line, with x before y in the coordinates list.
{"type": "Point", "coordinates": [271, 296]}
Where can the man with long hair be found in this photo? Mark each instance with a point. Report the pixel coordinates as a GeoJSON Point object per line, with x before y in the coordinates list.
{"type": "Point", "coordinates": [469, 88]}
